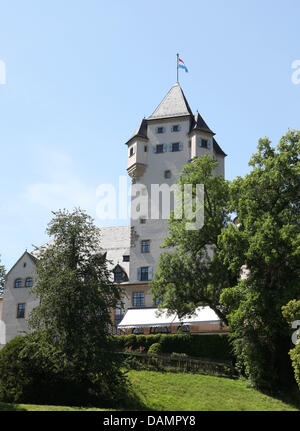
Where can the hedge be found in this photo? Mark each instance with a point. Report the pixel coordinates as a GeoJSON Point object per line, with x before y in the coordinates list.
{"type": "Point", "coordinates": [25, 379]}
{"type": "Point", "coordinates": [212, 346]}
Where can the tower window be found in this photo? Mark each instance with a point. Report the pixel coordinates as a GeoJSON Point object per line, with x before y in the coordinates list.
{"type": "Point", "coordinates": [142, 220]}
{"type": "Point", "coordinates": [167, 174]}
{"type": "Point", "coordinates": [138, 299]}
{"type": "Point", "coordinates": [175, 147]}
{"type": "Point", "coordinates": [126, 258]}
{"type": "Point", "coordinates": [204, 143]}
{"type": "Point", "coordinates": [145, 246]}
{"type": "Point", "coordinates": [21, 311]}
{"type": "Point", "coordinates": [145, 148]}
{"type": "Point", "coordinates": [160, 148]}
{"type": "Point", "coordinates": [131, 152]}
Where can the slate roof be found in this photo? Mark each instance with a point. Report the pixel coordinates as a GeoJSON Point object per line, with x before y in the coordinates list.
{"type": "Point", "coordinates": [174, 104]}
{"type": "Point", "coordinates": [199, 124]}
{"type": "Point", "coordinates": [217, 148]}
{"type": "Point", "coordinates": [141, 131]}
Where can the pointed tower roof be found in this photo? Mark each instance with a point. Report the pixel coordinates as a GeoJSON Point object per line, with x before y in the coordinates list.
{"type": "Point", "coordinates": [174, 104]}
{"type": "Point", "coordinates": [199, 124]}
{"type": "Point", "coordinates": [141, 131]}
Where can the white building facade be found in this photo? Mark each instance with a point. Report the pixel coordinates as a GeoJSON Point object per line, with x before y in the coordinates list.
{"type": "Point", "coordinates": [162, 144]}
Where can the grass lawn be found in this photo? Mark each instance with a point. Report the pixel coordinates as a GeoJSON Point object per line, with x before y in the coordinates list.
{"type": "Point", "coordinates": [177, 392]}
{"type": "Point", "coordinates": [40, 408]}
{"type": "Point", "coordinates": [167, 391]}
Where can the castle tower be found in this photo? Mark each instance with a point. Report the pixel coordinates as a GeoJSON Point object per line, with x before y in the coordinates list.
{"type": "Point", "coordinates": [170, 138]}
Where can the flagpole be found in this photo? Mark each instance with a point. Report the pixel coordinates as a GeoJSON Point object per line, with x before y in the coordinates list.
{"type": "Point", "coordinates": [177, 66]}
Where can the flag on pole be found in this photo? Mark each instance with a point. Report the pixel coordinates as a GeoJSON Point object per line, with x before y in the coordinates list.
{"type": "Point", "coordinates": [182, 65]}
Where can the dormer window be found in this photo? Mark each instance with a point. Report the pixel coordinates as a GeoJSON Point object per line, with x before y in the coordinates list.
{"type": "Point", "coordinates": [160, 130]}
{"type": "Point", "coordinates": [119, 274]}
{"type": "Point", "coordinates": [176, 128]}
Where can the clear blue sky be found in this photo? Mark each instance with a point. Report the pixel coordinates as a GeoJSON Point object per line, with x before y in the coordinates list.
{"type": "Point", "coordinates": [82, 74]}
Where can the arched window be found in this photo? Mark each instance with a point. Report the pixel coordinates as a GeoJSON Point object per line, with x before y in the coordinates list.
{"type": "Point", "coordinates": [28, 282]}
{"type": "Point", "coordinates": [18, 282]}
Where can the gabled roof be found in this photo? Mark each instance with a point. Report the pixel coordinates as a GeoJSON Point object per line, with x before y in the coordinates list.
{"type": "Point", "coordinates": [199, 124]}
{"type": "Point", "coordinates": [25, 253]}
{"type": "Point", "coordinates": [141, 131]}
{"type": "Point", "coordinates": [174, 104]}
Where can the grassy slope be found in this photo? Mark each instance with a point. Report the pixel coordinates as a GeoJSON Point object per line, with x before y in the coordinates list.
{"type": "Point", "coordinates": [176, 392]}
{"type": "Point", "coordinates": [167, 391]}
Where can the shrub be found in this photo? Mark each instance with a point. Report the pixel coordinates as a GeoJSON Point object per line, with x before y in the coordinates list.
{"type": "Point", "coordinates": [175, 355]}
{"type": "Point", "coordinates": [25, 377]}
{"type": "Point", "coordinates": [295, 357]}
{"type": "Point", "coordinates": [211, 346]}
{"type": "Point", "coordinates": [154, 349]}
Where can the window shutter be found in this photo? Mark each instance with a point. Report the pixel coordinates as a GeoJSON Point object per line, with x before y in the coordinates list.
{"type": "Point", "coordinates": [179, 127]}
{"type": "Point", "coordinates": [208, 144]}
{"type": "Point", "coordinates": [170, 147]}
{"type": "Point", "coordinates": [150, 272]}
{"type": "Point", "coordinates": [180, 146]}
{"type": "Point", "coordinates": [154, 149]}
{"type": "Point", "coordinates": [165, 148]}
{"type": "Point", "coordinates": [139, 274]}
{"type": "Point", "coordinates": [156, 129]}
{"type": "Point", "coordinates": [199, 142]}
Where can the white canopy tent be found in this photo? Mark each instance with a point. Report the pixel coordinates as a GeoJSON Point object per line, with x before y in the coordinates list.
{"type": "Point", "coordinates": [149, 317]}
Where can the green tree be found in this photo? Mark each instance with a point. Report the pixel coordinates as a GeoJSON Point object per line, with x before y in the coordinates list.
{"type": "Point", "coordinates": [191, 274]}
{"type": "Point", "coordinates": [76, 295]}
{"type": "Point", "coordinates": [291, 313]}
{"type": "Point", "coordinates": [267, 242]}
{"type": "Point", "coordinates": [2, 277]}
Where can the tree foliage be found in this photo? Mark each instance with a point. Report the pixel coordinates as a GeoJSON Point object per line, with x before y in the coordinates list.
{"type": "Point", "coordinates": [291, 313]}
{"type": "Point", "coordinates": [190, 274]}
{"type": "Point", "coordinates": [266, 242]}
{"type": "Point", "coordinates": [73, 284]}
